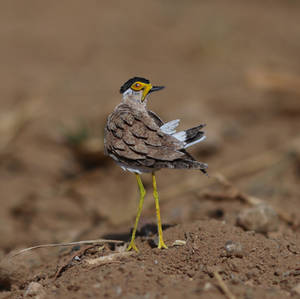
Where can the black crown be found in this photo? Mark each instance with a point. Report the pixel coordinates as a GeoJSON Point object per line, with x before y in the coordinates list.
{"type": "Point", "coordinates": [128, 83]}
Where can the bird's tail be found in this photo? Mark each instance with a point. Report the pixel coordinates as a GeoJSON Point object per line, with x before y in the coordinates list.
{"type": "Point", "coordinates": [199, 165]}
{"type": "Point", "coordinates": [191, 136]}
{"type": "Point", "coordinates": [189, 164]}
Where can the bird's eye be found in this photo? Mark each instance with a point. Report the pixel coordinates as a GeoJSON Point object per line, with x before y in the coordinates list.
{"type": "Point", "coordinates": [137, 86]}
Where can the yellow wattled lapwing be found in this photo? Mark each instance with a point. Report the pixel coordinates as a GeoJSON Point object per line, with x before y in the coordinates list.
{"type": "Point", "coordinates": [140, 142]}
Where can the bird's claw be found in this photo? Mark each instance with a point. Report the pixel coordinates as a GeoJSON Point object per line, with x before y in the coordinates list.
{"type": "Point", "coordinates": [132, 246]}
{"type": "Point", "coordinates": [161, 244]}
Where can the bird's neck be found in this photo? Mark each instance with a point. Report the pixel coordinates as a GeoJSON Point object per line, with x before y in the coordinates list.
{"type": "Point", "coordinates": [138, 105]}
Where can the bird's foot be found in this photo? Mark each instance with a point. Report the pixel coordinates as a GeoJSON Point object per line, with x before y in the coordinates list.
{"type": "Point", "coordinates": [132, 246]}
{"type": "Point", "coordinates": [161, 244]}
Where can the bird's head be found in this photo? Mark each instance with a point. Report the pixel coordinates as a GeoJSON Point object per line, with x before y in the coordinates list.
{"type": "Point", "coordinates": [137, 89]}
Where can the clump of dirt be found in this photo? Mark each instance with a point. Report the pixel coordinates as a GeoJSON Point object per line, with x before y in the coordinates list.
{"type": "Point", "coordinates": [263, 265]}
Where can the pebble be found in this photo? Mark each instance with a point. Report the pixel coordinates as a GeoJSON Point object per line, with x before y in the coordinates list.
{"type": "Point", "coordinates": [208, 286]}
{"type": "Point", "coordinates": [77, 258]}
{"type": "Point", "coordinates": [234, 249]}
{"type": "Point", "coordinates": [261, 218]}
{"type": "Point", "coordinates": [35, 290]}
{"type": "Point", "coordinates": [118, 290]}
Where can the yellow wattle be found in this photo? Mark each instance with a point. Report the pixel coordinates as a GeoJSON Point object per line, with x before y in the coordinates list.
{"type": "Point", "coordinates": [146, 91]}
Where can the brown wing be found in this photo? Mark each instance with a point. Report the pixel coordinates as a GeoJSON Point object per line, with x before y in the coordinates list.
{"type": "Point", "coordinates": [156, 118]}
{"type": "Point", "coordinates": [135, 135]}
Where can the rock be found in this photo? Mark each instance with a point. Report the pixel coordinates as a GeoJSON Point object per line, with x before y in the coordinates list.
{"type": "Point", "coordinates": [234, 249]}
{"type": "Point", "coordinates": [35, 290]}
{"type": "Point", "coordinates": [261, 218]}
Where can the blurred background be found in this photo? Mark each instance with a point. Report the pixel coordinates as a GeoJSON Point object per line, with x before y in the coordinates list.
{"type": "Point", "coordinates": [233, 65]}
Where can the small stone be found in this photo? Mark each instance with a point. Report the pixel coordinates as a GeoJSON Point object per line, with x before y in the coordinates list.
{"type": "Point", "coordinates": [296, 289]}
{"type": "Point", "coordinates": [234, 249]}
{"type": "Point", "coordinates": [35, 290]}
{"type": "Point", "coordinates": [207, 286]}
{"type": "Point", "coordinates": [118, 290]}
{"type": "Point", "coordinates": [261, 218]}
{"type": "Point", "coordinates": [77, 258]}
{"type": "Point", "coordinates": [97, 285]}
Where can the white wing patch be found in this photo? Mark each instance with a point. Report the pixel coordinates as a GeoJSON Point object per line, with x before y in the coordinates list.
{"type": "Point", "coordinates": [181, 136]}
{"type": "Point", "coordinates": [170, 127]}
{"type": "Point", "coordinates": [194, 142]}
{"type": "Point", "coordinates": [133, 170]}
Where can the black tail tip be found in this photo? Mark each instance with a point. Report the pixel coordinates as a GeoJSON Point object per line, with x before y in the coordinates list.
{"type": "Point", "coordinates": [204, 171]}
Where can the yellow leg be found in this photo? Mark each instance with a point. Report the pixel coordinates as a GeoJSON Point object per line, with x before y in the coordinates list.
{"type": "Point", "coordinates": [142, 196]}
{"type": "Point", "coordinates": [161, 243]}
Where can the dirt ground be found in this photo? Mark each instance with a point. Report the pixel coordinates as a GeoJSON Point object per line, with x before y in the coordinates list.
{"type": "Point", "coordinates": [233, 65]}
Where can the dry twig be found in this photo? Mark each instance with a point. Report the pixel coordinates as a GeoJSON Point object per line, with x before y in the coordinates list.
{"type": "Point", "coordinates": [111, 258]}
{"type": "Point", "coordinates": [68, 264]}
{"type": "Point", "coordinates": [92, 242]}
{"type": "Point", "coordinates": [223, 286]}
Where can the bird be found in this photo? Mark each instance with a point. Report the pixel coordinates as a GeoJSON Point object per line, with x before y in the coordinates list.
{"type": "Point", "coordinates": [140, 142]}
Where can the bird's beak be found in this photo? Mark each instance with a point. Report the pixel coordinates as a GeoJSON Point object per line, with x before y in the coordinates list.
{"type": "Point", "coordinates": [149, 88]}
{"type": "Point", "coordinates": [156, 88]}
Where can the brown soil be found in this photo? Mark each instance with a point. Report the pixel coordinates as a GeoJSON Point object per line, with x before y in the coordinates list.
{"type": "Point", "coordinates": [232, 65]}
